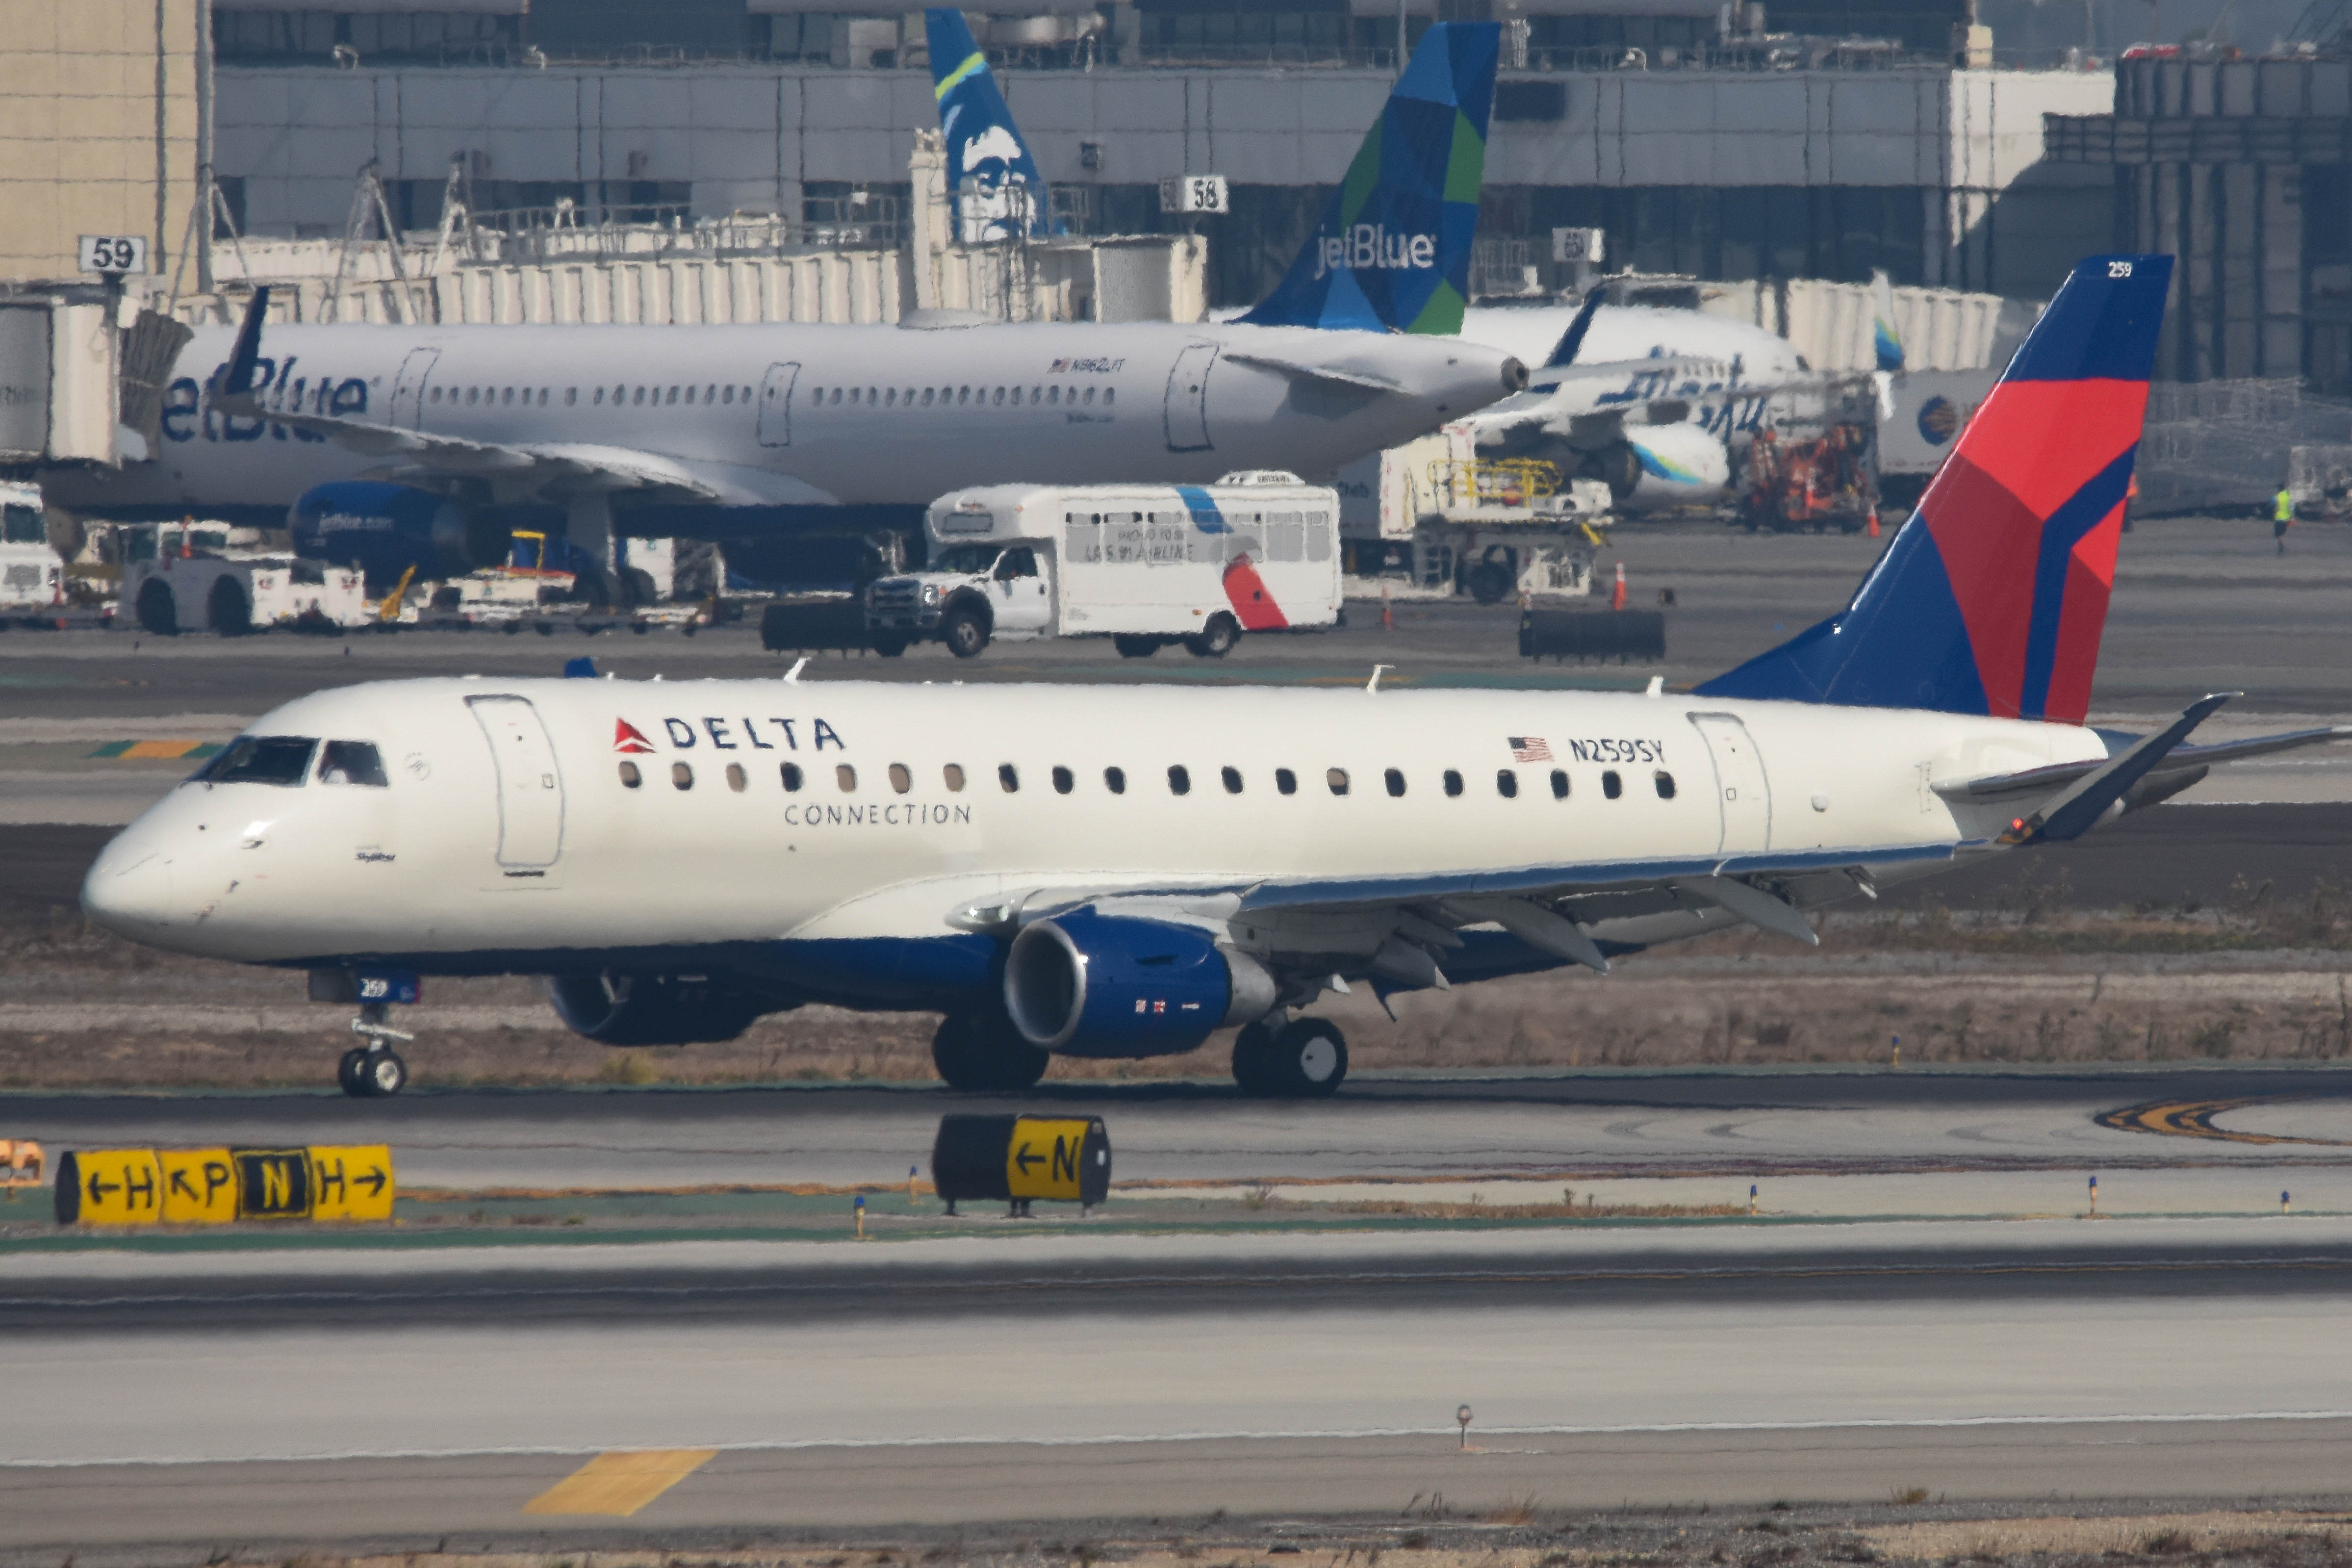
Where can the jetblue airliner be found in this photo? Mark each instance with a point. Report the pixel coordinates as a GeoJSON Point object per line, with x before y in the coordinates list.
{"type": "Point", "coordinates": [728, 431]}
{"type": "Point", "coordinates": [1122, 872]}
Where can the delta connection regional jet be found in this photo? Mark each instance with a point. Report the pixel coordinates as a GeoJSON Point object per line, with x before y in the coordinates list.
{"type": "Point", "coordinates": [728, 431]}
{"type": "Point", "coordinates": [1120, 871]}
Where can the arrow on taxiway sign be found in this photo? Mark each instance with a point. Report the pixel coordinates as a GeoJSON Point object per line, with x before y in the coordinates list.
{"type": "Point", "coordinates": [373, 1181]}
{"type": "Point", "coordinates": [1024, 1159]}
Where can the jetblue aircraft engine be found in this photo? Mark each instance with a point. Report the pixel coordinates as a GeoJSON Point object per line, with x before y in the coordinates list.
{"type": "Point", "coordinates": [386, 529]}
{"type": "Point", "coordinates": [653, 1009]}
{"type": "Point", "coordinates": [1106, 985]}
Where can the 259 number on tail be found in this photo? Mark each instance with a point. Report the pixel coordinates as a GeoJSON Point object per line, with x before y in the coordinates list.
{"type": "Point", "coordinates": [2118, 269]}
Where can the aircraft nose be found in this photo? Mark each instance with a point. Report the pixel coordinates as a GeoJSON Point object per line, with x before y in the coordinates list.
{"type": "Point", "coordinates": [129, 891]}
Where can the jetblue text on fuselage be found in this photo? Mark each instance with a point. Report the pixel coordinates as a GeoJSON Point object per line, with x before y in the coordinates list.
{"type": "Point", "coordinates": [1370, 247]}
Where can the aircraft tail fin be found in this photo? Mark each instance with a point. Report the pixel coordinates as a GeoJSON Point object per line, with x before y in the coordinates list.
{"type": "Point", "coordinates": [1392, 252]}
{"type": "Point", "coordinates": [1885, 338]}
{"type": "Point", "coordinates": [1991, 598]}
{"type": "Point", "coordinates": [994, 187]}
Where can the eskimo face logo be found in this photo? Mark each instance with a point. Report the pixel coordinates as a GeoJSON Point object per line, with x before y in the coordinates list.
{"type": "Point", "coordinates": [1370, 246]}
{"type": "Point", "coordinates": [991, 155]}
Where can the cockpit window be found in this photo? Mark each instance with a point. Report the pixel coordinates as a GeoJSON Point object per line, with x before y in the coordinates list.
{"type": "Point", "coordinates": [352, 762]}
{"type": "Point", "coordinates": [262, 759]}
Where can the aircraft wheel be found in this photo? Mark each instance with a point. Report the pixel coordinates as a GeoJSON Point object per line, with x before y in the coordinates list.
{"type": "Point", "coordinates": [229, 611]}
{"type": "Point", "coordinates": [1135, 647]}
{"type": "Point", "coordinates": [1215, 639]}
{"type": "Point", "coordinates": [347, 1071]}
{"type": "Point", "coordinates": [159, 612]}
{"type": "Point", "coordinates": [1253, 1052]}
{"type": "Point", "coordinates": [380, 1074]}
{"type": "Point", "coordinates": [965, 631]}
{"type": "Point", "coordinates": [982, 1056]}
{"type": "Point", "coordinates": [1490, 583]}
{"type": "Point", "coordinates": [1304, 1059]}
{"type": "Point", "coordinates": [889, 648]}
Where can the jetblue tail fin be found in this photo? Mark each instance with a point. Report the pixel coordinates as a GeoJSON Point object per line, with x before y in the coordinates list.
{"type": "Point", "coordinates": [994, 187]}
{"type": "Point", "coordinates": [1991, 598]}
{"type": "Point", "coordinates": [1392, 252]}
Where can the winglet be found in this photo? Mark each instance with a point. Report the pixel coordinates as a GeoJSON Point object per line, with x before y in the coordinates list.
{"type": "Point", "coordinates": [246, 355]}
{"type": "Point", "coordinates": [1563, 353]}
{"type": "Point", "coordinates": [2079, 807]}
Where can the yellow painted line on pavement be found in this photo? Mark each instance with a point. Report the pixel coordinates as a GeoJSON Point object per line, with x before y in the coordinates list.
{"type": "Point", "coordinates": [620, 1483]}
{"type": "Point", "coordinates": [2194, 1119]}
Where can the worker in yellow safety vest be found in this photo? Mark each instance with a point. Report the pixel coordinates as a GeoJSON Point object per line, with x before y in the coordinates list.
{"type": "Point", "coordinates": [2281, 517]}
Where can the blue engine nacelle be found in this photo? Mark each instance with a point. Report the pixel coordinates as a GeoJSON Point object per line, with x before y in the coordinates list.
{"type": "Point", "coordinates": [386, 529]}
{"type": "Point", "coordinates": [1090, 985]}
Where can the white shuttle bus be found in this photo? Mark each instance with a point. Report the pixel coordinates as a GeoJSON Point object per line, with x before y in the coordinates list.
{"type": "Point", "coordinates": [1145, 566]}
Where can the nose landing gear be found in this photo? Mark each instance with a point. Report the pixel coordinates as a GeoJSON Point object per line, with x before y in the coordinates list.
{"type": "Point", "coordinates": [374, 1069]}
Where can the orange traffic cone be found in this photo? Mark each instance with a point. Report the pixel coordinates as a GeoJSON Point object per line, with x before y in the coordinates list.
{"type": "Point", "coordinates": [1617, 594]}
{"type": "Point", "coordinates": [1873, 523]}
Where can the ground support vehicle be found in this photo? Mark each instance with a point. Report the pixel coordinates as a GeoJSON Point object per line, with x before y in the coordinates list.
{"type": "Point", "coordinates": [32, 576]}
{"type": "Point", "coordinates": [1812, 485]}
{"type": "Point", "coordinates": [172, 582]}
{"type": "Point", "coordinates": [1450, 522]}
{"type": "Point", "coordinates": [1145, 565]}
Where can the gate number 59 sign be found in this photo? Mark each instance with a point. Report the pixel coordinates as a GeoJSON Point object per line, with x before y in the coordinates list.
{"type": "Point", "coordinates": [113, 253]}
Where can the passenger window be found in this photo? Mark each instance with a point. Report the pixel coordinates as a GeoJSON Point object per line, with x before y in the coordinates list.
{"type": "Point", "coordinates": [1506, 783]}
{"type": "Point", "coordinates": [1115, 780]}
{"type": "Point", "coordinates": [1560, 784]}
{"type": "Point", "coordinates": [927, 397]}
{"type": "Point", "coordinates": [954, 775]}
{"type": "Point", "coordinates": [637, 396]}
{"type": "Point", "coordinates": [963, 395]}
{"type": "Point", "coordinates": [1065, 781]}
{"type": "Point", "coordinates": [689, 394]}
{"type": "Point", "coordinates": [1666, 782]}
{"type": "Point", "coordinates": [1338, 779]}
{"type": "Point", "coordinates": [571, 396]}
{"type": "Point", "coordinates": [791, 776]}
{"type": "Point", "coordinates": [630, 777]}
{"type": "Point", "coordinates": [1452, 782]}
{"type": "Point", "coordinates": [1286, 781]}
{"type": "Point", "coordinates": [1110, 395]}
{"type": "Point", "coordinates": [1036, 396]}
{"type": "Point", "coordinates": [726, 395]}
{"type": "Point", "coordinates": [1233, 777]}
{"type": "Point", "coordinates": [735, 777]}
{"type": "Point", "coordinates": [261, 759]}
{"type": "Point", "coordinates": [901, 779]}
{"type": "Point", "coordinates": [890, 397]}
{"type": "Point", "coordinates": [1394, 779]}
{"type": "Point", "coordinates": [846, 778]}
{"type": "Point", "coordinates": [999, 398]}
{"type": "Point", "coordinates": [1612, 785]}
{"type": "Point", "coordinates": [1090, 394]}
{"type": "Point", "coordinates": [1053, 395]}
{"type": "Point", "coordinates": [1007, 777]}
{"type": "Point", "coordinates": [473, 395]}
{"type": "Point", "coordinates": [681, 775]}
{"type": "Point", "coordinates": [352, 762]}
{"type": "Point", "coordinates": [673, 395]}
{"type": "Point", "coordinates": [597, 401]}
{"type": "Point", "coordinates": [434, 397]}
{"type": "Point", "coordinates": [509, 397]}
{"type": "Point", "coordinates": [817, 397]}
{"type": "Point", "coordinates": [1180, 781]}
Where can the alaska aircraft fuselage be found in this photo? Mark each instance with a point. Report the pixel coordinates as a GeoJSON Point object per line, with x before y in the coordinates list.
{"type": "Point", "coordinates": [809, 416]}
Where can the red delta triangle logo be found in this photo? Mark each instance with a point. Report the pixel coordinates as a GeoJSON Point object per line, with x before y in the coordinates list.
{"type": "Point", "coordinates": [627, 737]}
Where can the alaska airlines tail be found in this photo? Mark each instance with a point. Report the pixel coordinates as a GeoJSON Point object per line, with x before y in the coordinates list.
{"type": "Point", "coordinates": [1392, 252]}
{"type": "Point", "coordinates": [1992, 597]}
{"type": "Point", "coordinates": [993, 186]}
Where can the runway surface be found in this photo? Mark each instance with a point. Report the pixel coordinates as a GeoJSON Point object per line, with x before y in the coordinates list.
{"type": "Point", "coordinates": [1069, 1376]}
{"type": "Point", "coordinates": [1724, 1122]}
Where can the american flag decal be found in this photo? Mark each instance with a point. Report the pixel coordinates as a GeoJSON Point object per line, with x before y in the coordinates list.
{"type": "Point", "coordinates": [1528, 749]}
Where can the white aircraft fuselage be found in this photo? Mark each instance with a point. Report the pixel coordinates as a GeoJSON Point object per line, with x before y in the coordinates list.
{"type": "Point", "coordinates": [798, 415]}
{"type": "Point", "coordinates": [822, 834]}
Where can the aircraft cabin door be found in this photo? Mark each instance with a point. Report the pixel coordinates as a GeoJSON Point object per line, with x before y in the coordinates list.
{"type": "Point", "coordinates": [776, 405]}
{"type": "Point", "coordinates": [1188, 399]}
{"type": "Point", "coordinates": [409, 387]}
{"type": "Point", "coordinates": [1742, 791]}
{"type": "Point", "coordinates": [531, 790]}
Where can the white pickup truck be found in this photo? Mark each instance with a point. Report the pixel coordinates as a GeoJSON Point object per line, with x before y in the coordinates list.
{"type": "Point", "coordinates": [1145, 566]}
{"type": "Point", "coordinates": [32, 576]}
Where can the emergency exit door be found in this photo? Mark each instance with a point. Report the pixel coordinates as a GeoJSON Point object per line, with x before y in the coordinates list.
{"type": "Point", "coordinates": [1188, 399]}
{"type": "Point", "coordinates": [1742, 792]}
{"type": "Point", "coordinates": [531, 790]}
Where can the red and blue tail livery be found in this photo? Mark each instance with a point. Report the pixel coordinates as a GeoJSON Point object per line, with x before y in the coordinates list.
{"type": "Point", "coordinates": [1991, 598]}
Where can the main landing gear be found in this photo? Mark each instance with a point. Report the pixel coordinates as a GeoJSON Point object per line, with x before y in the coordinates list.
{"type": "Point", "coordinates": [1304, 1059]}
{"type": "Point", "coordinates": [982, 1054]}
{"type": "Point", "coordinates": [374, 1069]}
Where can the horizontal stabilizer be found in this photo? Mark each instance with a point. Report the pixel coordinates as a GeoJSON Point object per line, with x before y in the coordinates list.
{"type": "Point", "coordinates": [1995, 787]}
